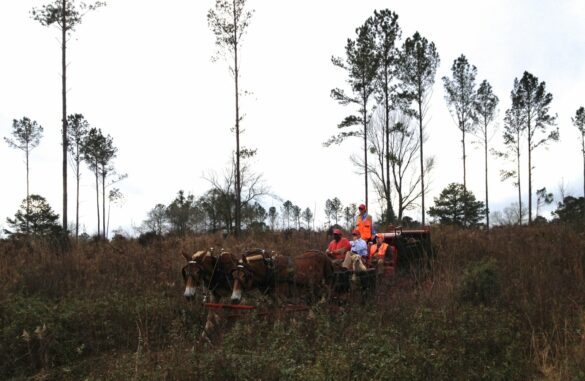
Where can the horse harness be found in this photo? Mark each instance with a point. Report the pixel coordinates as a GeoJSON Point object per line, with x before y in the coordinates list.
{"type": "Point", "coordinates": [267, 280]}
{"type": "Point", "coordinates": [215, 276]}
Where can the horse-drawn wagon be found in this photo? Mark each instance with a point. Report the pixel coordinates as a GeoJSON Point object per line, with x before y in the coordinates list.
{"type": "Point", "coordinates": [306, 277]}
{"type": "Point", "coordinates": [411, 248]}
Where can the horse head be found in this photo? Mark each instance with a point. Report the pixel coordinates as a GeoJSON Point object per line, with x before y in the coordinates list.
{"type": "Point", "coordinates": [193, 271]}
{"type": "Point", "coordinates": [251, 272]}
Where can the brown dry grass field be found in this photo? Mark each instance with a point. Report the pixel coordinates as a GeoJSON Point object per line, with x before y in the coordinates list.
{"type": "Point", "coordinates": [508, 304]}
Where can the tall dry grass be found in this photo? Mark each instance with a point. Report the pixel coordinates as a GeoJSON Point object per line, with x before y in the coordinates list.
{"type": "Point", "coordinates": [503, 304]}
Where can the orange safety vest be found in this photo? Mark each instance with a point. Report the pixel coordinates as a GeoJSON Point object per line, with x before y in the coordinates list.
{"type": "Point", "coordinates": [378, 251]}
{"type": "Point", "coordinates": [364, 227]}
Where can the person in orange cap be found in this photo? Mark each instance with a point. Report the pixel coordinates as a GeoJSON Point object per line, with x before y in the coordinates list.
{"type": "Point", "coordinates": [338, 246]}
{"type": "Point", "coordinates": [364, 224]}
{"type": "Point", "coordinates": [378, 252]}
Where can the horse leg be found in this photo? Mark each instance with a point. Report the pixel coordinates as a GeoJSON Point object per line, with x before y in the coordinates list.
{"type": "Point", "coordinates": [209, 333]}
{"type": "Point", "coordinates": [212, 322]}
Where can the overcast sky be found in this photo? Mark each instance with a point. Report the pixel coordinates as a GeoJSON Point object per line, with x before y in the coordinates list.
{"type": "Point", "coordinates": [141, 70]}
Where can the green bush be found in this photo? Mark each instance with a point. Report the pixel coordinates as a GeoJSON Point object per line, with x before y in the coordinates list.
{"type": "Point", "coordinates": [480, 283]}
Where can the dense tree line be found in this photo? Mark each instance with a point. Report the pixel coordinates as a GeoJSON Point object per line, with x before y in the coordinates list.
{"type": "Point", "coordinates": [214, 211]}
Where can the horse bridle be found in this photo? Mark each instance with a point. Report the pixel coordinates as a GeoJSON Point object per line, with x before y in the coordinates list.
{"type": "Point", "coordinates": [190, 273]}
{"type": "Point", "coordinates": [217, 268]}
{"type": "Point", "coordinates": [248, 273]}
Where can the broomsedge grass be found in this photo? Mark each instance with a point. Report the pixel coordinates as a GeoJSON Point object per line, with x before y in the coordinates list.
{"type": "Point", "coordinates": [504, 304]}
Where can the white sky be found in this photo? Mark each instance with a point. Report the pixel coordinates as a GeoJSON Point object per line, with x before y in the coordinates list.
{"type": "Point", "coordinates": [141, 71]}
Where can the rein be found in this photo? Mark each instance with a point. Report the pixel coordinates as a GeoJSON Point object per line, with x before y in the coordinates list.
{"type": "Point", "coordinates": [217, 269]}
{"type": "Point", "coordinates": [214, 275]}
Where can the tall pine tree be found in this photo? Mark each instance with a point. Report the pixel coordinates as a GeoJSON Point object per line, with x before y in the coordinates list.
{"type": "Point", "coordinates": [460, 97]}
{"type": "Point", "coordinates": [417, 68]}
{"type": "Point", "coordinates": [534, 101]}
{"type": "Point", "coordinates": [67, 16]}
{"type": "Point", "coordinates": [486, 103]}
{"type": "Point", "coordinates": [361, 64]}
{"type": "Point", "coordinates": [229, 22]}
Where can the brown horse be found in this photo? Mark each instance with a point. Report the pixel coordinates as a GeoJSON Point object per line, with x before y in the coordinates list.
{"type": "Point", "coordinates": [255, 271]}
{"type": "Point", "coordinates": [212, 272]}
{"type": "Point", "coordinates": [282, 276]}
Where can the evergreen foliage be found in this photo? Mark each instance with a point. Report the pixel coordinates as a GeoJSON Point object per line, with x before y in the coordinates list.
{"type": "Point", "coordinates": [457, 206]}
{"type": "Point", "coordinates": [571, 210]}
{"type": "Point", "coordinates": [34, 218]}
{"type": "Point", "coordinates": [78, 129]}
{"type": "Point", "coordinates": [333, 210]}
{"type": "Point", "coordinates": [179, 213]}
{"type": "Point", "coordinates": [533, 100]}
{"type": "Point", "coordinates": [514, 127]}
{"type": "Point", "coordinates": [229, 22]}
{"type": "Point", "coordinates": [98, 152]}
{"type": "Point", "coordinates": [27, 136]}
{"type": "Point", "coordinates": [461, 99]}
{"type": "Point", "coordinates": [418, 64]}
{"type": "Point", "coordinates": [66, 14]}
{"type": "Point", "coordinates": [307, 217]}
{"type": "Point", "coordinates": [486, 103]}
{"type": "Point", "coordinates": [579, 122]}
{"type": "Point", "coordinates": [387, 32]}
{"type": "Point", "coordinates": [361, 64]}
{"type": "Point", "coordinates": [480, 283]}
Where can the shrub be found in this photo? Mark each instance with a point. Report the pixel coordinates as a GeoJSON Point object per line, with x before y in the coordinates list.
{"type": "Point", "coordinates": [480, 283]}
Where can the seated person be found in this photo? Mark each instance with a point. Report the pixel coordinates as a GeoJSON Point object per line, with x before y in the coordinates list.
{"type": "Point", "coordinates": [338, 246]}
{"type": "Point", "coordinates": [359, 253]}
{"type": "Point", "coordinates": [378, 252]}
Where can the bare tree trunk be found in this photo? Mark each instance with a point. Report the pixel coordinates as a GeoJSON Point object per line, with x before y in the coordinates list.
{"type": "Point", "coordinates": [97, 195]}
{"type": "Point", "coordinates": [464, 157]}
{"type": "Point", "coordinates": [389, 210]}
{"type": "Point", "coordinates": [77, 207]}
{"type": "Point", "coordinates": [519, 188]}
{"type": "Point", "coordinates": [365, 113]}
{"type": "Point", "coordinates": [529, 191]}
{"type": "Point", "coordinates": [108, 224]}
{"type": "Point", "coordinates": [64, 96]}
{"type": "Point", "coordinates": [422, 168]}
{"type": "Point", "coordinates": [236, 76]}
{"type": "Point", "coordinates": [104, 202]}
{"type": "Point", "coordinates": [485, 153]}
{"type": "Point", "coordinates": [529, 174]}
{"type": "Point", "coordinates": [27, 192]}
